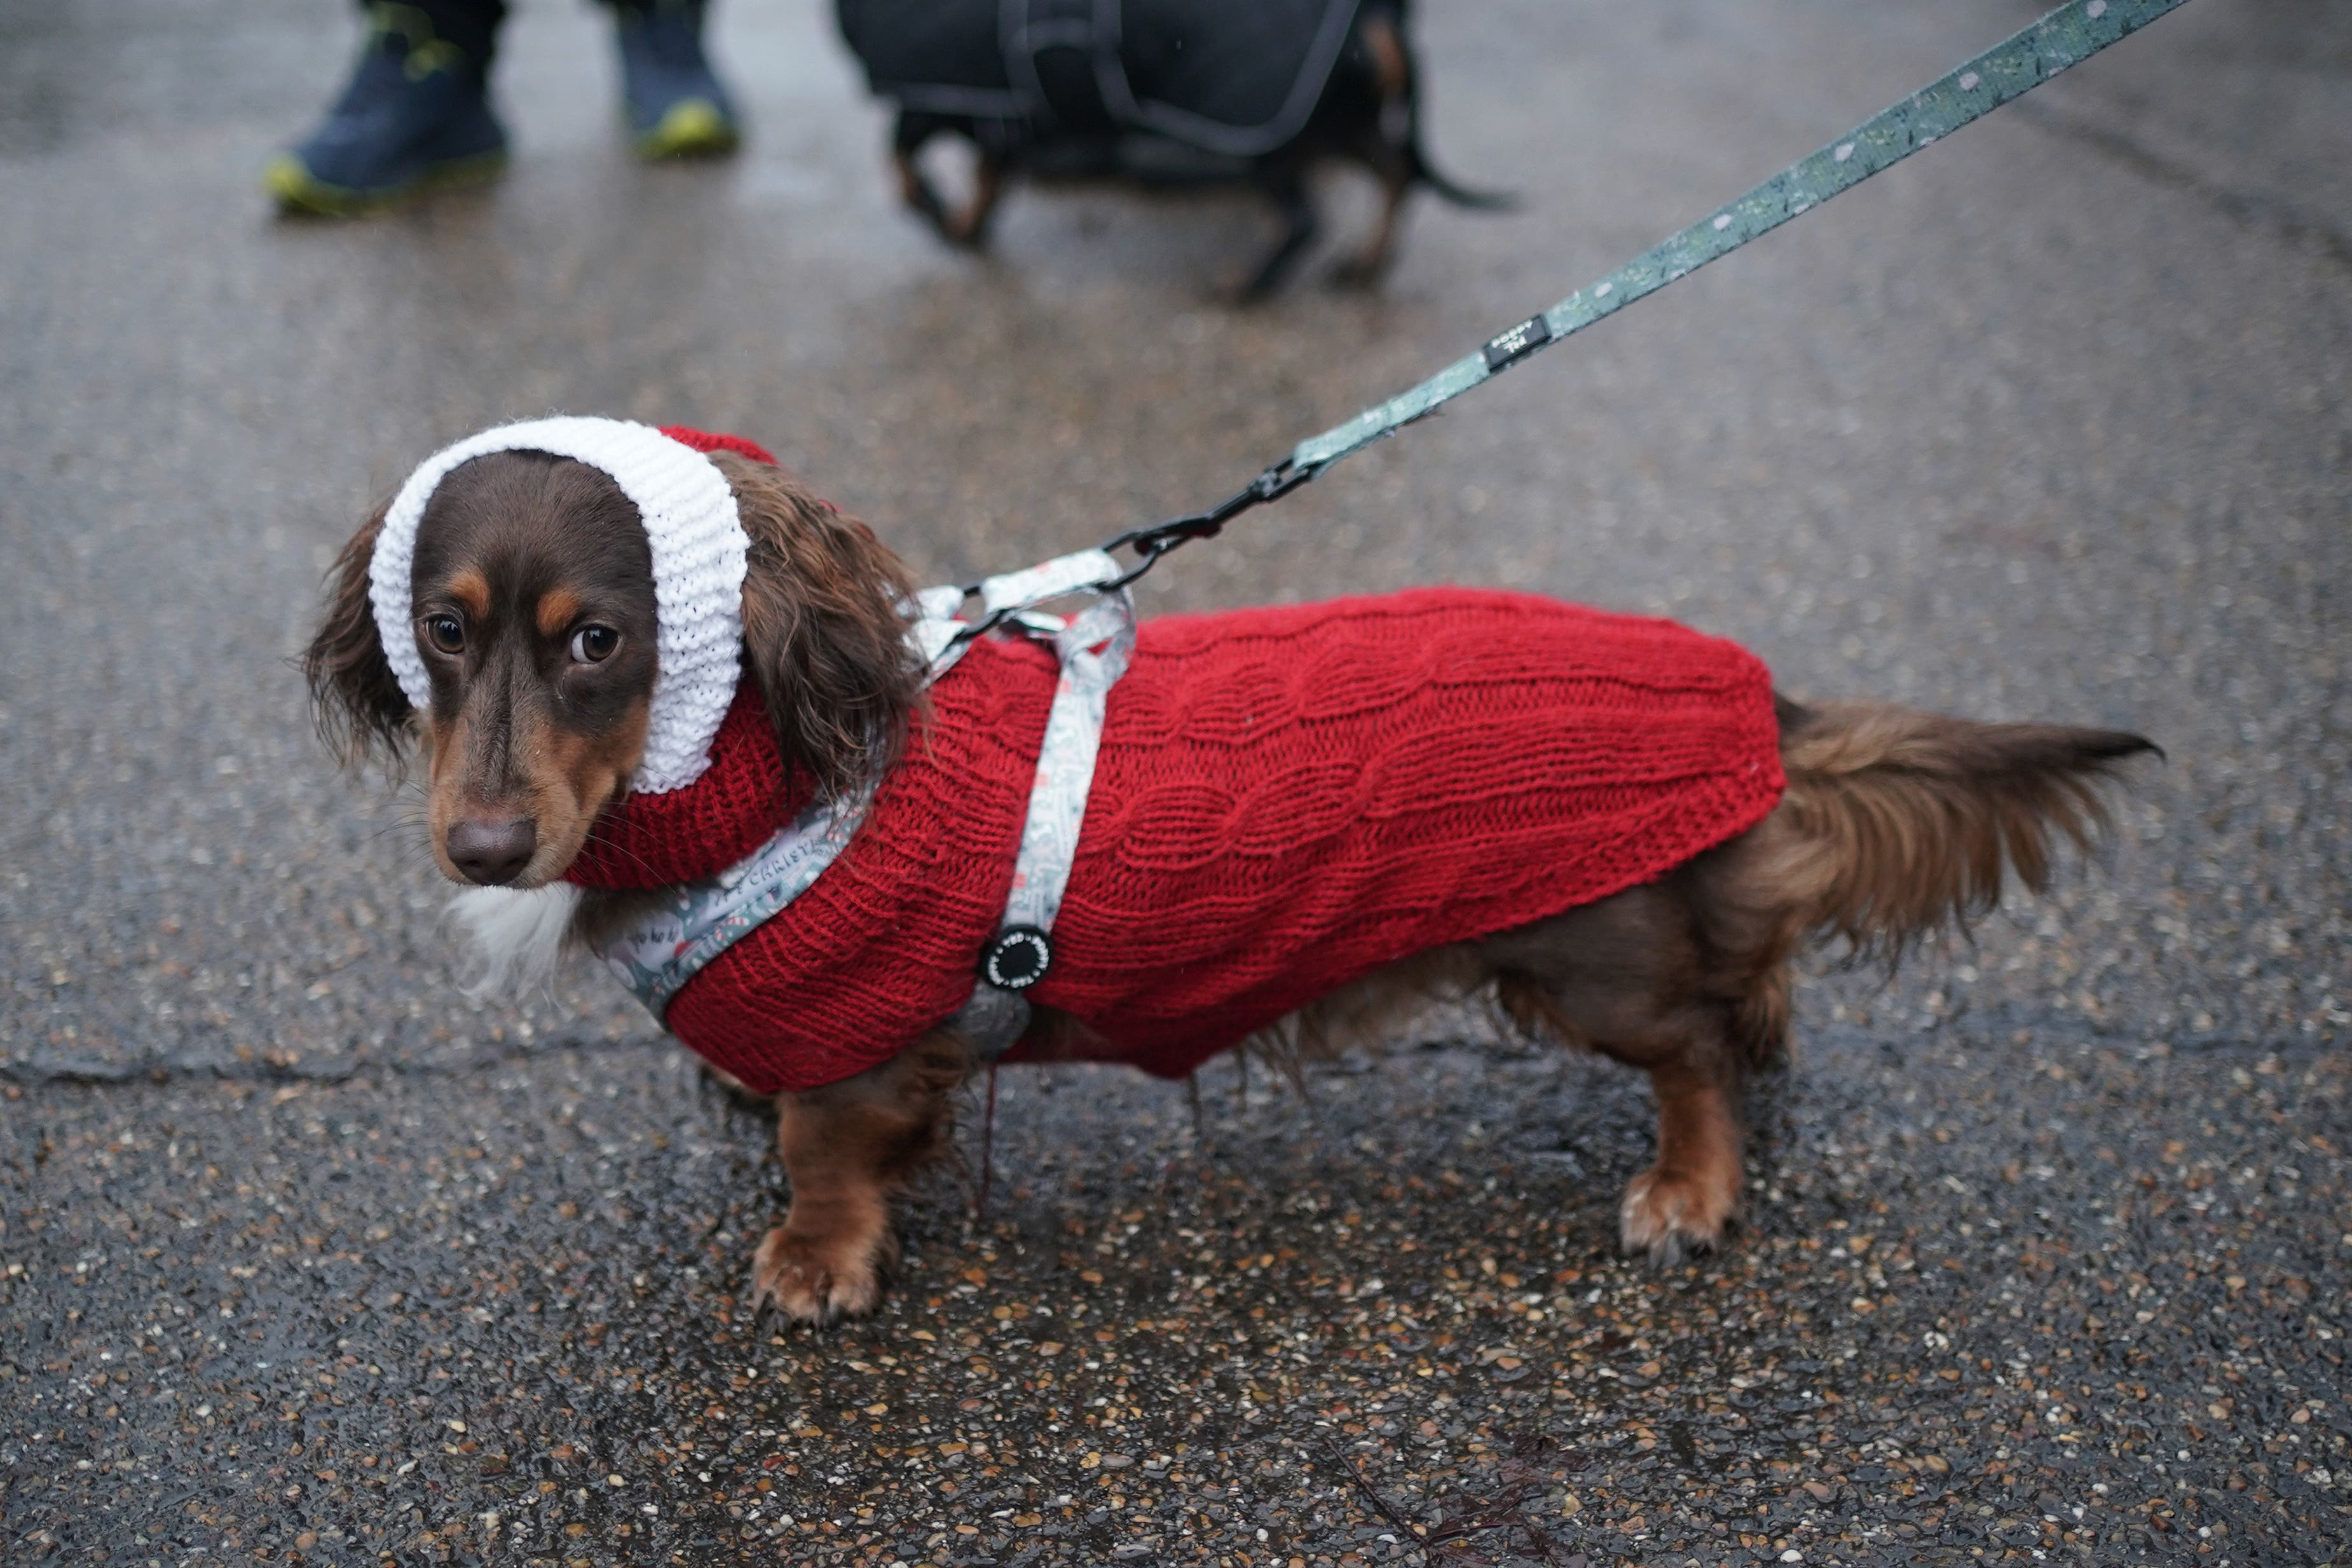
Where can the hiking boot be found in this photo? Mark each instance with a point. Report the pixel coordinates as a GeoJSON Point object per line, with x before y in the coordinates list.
{"type": "Point", "coordinates": [676, 107]}
{"type": "Point", "coordinates": [416, 114]}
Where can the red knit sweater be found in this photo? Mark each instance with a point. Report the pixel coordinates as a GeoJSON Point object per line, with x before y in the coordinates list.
{"type": "Point", "coordinates": [1286, 799]}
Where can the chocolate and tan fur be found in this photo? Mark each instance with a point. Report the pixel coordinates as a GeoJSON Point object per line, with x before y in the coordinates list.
{"type": "Point", "coordinates": [535, 612]}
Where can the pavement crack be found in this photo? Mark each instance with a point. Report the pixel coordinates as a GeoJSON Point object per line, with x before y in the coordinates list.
{"type": "Point", "coordinates": [54, 1070]}
{"type": "Point", "coordinates": [2249, 208]}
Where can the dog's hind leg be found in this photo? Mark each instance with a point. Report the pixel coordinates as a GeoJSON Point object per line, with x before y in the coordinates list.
{"type": "Point", "coordinates": [1287, 188]}
{"type": "Point", "coordinates": [849, 1147]}
{"type": "Point", "coordinates": [1386, 144]}
{"type": "Point", "coordinates": [1632, 978]}
{"type": "Point", "coordinates": [1685, 1200]}
{"type": "Point", "coordinates": [1371, 264]}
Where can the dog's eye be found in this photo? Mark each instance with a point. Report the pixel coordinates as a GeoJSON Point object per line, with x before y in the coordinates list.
{"type": "Point", "coordinates": [593, 645]}
{"type": "Point", "coordinates": [446, 633]}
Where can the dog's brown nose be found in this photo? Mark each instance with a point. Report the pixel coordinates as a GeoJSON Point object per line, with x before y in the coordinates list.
{"type": "Point", "coordinates": [493, 852]}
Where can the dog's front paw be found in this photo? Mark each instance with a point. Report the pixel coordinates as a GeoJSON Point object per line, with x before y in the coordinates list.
{"type": "Point", "coordinates": [1669, 1214]}
{"type": "Point", "coordinates": [818, 1279]}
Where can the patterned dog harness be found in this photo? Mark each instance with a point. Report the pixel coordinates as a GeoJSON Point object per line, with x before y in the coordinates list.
{"type": "Point", "coordinates": [696, 922]}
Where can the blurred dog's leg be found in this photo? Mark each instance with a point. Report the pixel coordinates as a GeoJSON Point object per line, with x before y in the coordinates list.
{"type": "Point", "coordinates": [907, 143]}
{"type": "Point", "coordinates": [1371, 264]}
{"type": "Point", "coordinates": [969, 227]}
{"type": "Point", "coordinates": [1386, 145]}
{"type": "Point", "coordinates": [1286, 187]}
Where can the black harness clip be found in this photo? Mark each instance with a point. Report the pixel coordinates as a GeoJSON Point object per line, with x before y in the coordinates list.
{"type": "Point", "coordinates": [1017, 959]}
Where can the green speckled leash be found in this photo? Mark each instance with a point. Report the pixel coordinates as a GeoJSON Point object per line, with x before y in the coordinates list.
{"type": "Point", "coordinates": [2066, 37]}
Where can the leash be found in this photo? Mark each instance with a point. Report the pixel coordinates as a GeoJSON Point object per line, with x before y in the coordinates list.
{"type": "Point", "coordinates": [1021, 951]}
{"type": "Point", "coordinates": [2065, 37]}
{"type": "Point", "coordinates": [695, 923]}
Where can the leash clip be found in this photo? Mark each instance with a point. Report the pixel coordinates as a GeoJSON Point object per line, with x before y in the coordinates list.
{"type": "Point", "coordinates": [1156, 539]}
{"type": "Point", "coordinates": [1278, 479]}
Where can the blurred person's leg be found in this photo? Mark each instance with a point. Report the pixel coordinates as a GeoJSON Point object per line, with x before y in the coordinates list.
{"type": "Point", "coordinates": [416, 111]}
{"type": "Point", "coordinates": [674, 101]}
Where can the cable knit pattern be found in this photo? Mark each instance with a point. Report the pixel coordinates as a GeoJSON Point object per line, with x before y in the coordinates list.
{"type": "Point", "coordinates": [1286, 799]}
{"type": "Point", "coordinates": [684, 835]}
{"type": "Point", "coordinates": [699, 551]}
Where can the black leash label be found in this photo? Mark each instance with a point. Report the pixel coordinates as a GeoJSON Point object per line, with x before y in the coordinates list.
{"type": "Point", "coordinates": [1516, 344]}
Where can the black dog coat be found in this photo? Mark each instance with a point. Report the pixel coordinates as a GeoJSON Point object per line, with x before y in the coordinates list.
{"type": "Point", "coordinates": [1232, 78]}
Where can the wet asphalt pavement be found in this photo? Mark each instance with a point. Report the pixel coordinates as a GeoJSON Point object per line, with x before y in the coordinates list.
{"type": "Point", "coordinates": [308, 1259]}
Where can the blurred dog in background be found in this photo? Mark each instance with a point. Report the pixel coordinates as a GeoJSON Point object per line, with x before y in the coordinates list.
{"type": "Point", "coordinates": [1159, 93]}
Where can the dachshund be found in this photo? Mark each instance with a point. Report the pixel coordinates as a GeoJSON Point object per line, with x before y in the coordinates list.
{"type": "Point", "coordinates": [534, 610]}
{"type": "Point", "coordinates": [1367, 114]}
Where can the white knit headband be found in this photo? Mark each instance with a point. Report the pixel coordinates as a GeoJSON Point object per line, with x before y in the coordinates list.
{"type": "Point", "coordinates": [699, 549]}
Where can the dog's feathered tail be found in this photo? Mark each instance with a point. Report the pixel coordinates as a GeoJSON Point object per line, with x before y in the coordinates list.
{"type": "Point", "coordinates": [1899, 823]}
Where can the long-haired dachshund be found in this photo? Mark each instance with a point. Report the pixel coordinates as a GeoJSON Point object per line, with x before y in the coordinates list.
{"type": "Point", "coordinates": [1301, 819]}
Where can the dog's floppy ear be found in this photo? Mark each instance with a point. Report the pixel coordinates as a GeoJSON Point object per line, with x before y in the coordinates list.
{"type": "Point", "coordinates": [354, 697]}
{"type": "Point", "coordinates": [825, 632]}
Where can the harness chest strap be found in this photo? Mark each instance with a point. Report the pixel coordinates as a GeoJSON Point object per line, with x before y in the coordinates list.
{"type": "Point", "coordinates": [695, 923]}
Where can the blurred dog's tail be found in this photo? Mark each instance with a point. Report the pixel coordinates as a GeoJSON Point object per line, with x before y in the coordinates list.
{"type": "Point", "coordinates": [1380, 30]}
{"type": "Point", "coordinates": [1899, 823]}
{"type": "Point", "coordinates": [1427, 174]}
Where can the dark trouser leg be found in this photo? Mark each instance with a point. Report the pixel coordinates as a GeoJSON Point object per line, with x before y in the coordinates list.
{"type": "Point", "coordinates": [470, 26]}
